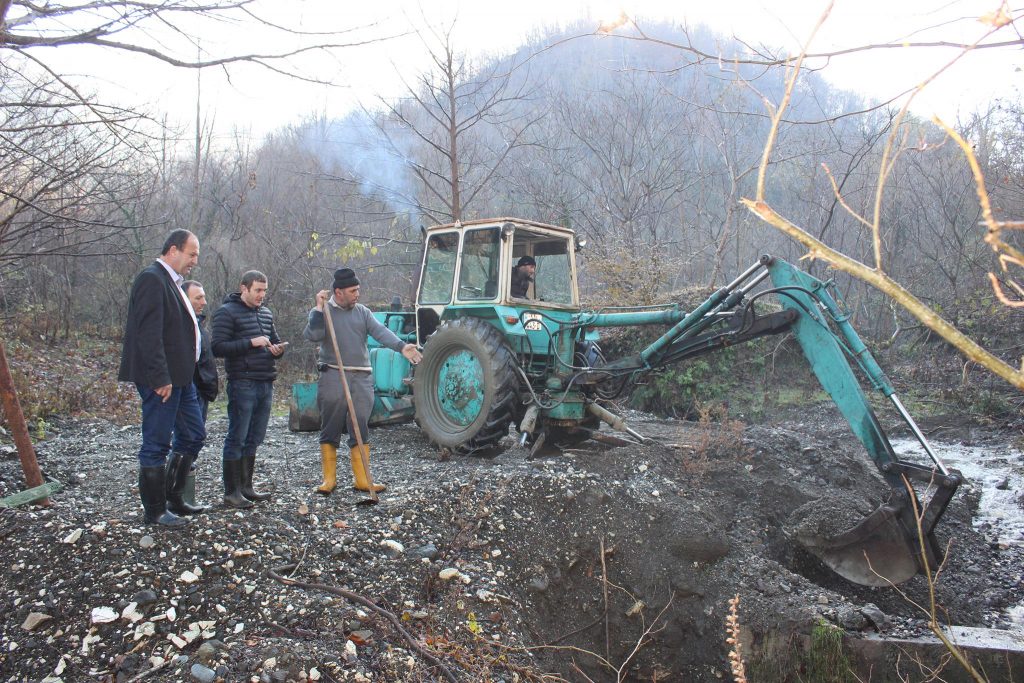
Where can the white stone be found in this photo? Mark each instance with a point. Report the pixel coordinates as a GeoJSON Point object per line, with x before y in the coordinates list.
{"type": "Point", "coordinates": [314, 674]}
{"type": "Point", "coordinates": [132, 613]}
{"type": "Point", "coordinates": [393, 546]}
{"type": "Point", "coordinates": [103, 615]}
{"type": "Point", "coordinates": [350, 648]}
{"type": "Point", "coordinates": [72, 537]}
{"type": "Point", "coordinates": [188, 577]}
{"type": "Point", "coordinates": [448, 573]}
{"type": "Point", "coordinates": [239, 627]}
{"type": "Point", "coordinates": [178, 641]}
{"type": "Point", "coordinates": [171, 614]}
{"type": "Point", "coordinates": [145, 630]}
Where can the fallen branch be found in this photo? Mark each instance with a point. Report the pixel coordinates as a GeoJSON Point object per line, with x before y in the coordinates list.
{"type": "Point", "coordinates": [276, 574]}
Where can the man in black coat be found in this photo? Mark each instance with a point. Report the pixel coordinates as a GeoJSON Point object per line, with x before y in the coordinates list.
{"type": "Point", "coordinates": [245, 337]}
{"type": "Point", "coordinates": [159, 354]}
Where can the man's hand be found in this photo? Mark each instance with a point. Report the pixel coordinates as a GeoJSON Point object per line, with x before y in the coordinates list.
{"type": "Point", "coordinates": [321, 298]}
{"type": "Point", "coordinates": [257, 342]}
{"type": "Point", "coordinates": [412, 353]}
{"type": "Point", "coordinates": [164, 392]}
{"type": "Point", "coordinates": [277, 349]}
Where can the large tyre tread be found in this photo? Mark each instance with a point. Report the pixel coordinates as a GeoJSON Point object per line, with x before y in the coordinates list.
{"type": "Point", "coordinates": [500, 412]}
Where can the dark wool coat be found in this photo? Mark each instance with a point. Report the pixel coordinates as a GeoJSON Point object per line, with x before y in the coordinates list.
{"type": "Point", "coordinates": [159, 345]}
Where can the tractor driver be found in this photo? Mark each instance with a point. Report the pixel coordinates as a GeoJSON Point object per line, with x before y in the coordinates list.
{"type": "Point", "coordinates": [352, 322]}
{"type": "Point", "coordinates": [522, 276]}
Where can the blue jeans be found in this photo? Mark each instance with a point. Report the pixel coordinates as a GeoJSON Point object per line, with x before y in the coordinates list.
{"type": "Point", "coordinates": [179, 415]}
{"type": "Point", "coordinates": [248, 413]}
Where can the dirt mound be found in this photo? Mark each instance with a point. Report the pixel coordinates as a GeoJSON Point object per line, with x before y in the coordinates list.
{"type": "Point", "coordinates": [597, 560]}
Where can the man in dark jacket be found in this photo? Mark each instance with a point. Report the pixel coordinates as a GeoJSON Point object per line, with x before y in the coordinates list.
{"type": "Point", "coordinates": [159, 354]}
{"type": "Point", "coordinates": [245, 337]}
{"type": "Point", "coordinates": [205, 379]}
{"type": "Point", "coordinates": [522, 276]}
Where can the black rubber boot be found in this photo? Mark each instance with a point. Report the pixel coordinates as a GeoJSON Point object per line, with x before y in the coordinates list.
{"type": "Point", "coordinates": [153, 492]}
{"type": "Point", "coordinates": [177, 479]}
{"type": "Point", "coordinates": [233, 497]}
{"type": "Point", "coordinates": [248, 465]}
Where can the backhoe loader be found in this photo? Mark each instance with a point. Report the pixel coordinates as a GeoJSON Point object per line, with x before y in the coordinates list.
{"type": "Point", "coordinates": [492, 361]}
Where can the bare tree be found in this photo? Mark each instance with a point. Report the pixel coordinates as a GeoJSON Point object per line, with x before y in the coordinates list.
{"type": "Point", "coordinates": [462, 122]}
{"type": "Point", "coordinates": [877, 275]}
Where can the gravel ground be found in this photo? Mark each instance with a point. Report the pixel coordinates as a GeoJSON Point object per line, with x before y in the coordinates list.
{"type": "Point", "coordinates": [469, 569]}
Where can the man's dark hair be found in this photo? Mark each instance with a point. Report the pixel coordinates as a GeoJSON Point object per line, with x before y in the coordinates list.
{"type": "Point", "coordinates": [178, 238]}
{"type": "Point", "coordinates": [189, 284]}
{"type": "Point", "coordinates": [252, 276]}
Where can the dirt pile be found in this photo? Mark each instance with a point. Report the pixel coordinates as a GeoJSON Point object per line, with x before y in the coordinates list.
{"type": "Point", "coordinates": [597, 560]}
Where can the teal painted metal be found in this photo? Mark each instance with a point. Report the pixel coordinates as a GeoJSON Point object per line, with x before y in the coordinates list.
{"type": "Point", "coordinates": [397, 322]}
{"type": "Point", "coordinates": [572, 408]}
{"type": "Point", "coordinates": [666, 316]}
{"type": "Point", "coordinates": [303, 412]}
{"type": "Point", "coordinates": [30, 495]}
{"type": "Point", "coordinates": [390, 369]}
{"type": "Point", "coordinates": [827, 359]}
{"type": "Point", "coordinates": [388, 410]}
{"type": "Point", "coordinates": [460, 387]}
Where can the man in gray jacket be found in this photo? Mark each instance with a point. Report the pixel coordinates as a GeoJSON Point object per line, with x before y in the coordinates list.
{"type": "Point", "coordinates": [352, 323]}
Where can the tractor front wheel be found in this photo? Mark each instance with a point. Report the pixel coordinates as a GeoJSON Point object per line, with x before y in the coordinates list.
{"type": "Point", "coordinates": [466, 387]}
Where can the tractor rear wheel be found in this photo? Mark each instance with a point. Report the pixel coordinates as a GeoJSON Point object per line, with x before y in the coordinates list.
{"type": "Point", "coordinates": [466, 386]}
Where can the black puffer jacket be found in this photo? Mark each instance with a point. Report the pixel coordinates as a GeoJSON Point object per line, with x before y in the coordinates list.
{"type": "Point", "coordinates": [235, 325]}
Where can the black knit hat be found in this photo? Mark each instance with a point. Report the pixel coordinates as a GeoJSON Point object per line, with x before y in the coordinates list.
{"type": "Point", "coordinates": [345, 278]}
{"type": "Point", "coordinates": [526, 261]}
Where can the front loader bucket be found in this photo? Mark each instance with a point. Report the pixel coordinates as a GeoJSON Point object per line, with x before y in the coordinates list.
{"type": "Point", "coordinates": [876, 552]}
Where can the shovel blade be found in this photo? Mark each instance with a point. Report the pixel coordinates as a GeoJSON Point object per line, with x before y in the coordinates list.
{"type": "Point", "coordinates": [877, 552]}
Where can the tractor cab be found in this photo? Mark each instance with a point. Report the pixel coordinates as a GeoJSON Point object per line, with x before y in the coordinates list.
{"type": "Point", "coordinates": [470, 265]}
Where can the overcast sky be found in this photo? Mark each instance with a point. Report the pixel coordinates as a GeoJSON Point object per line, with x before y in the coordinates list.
{"type": "Point", "coordinates": [257, 102]}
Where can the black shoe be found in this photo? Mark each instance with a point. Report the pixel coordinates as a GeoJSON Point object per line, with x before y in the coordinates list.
{"type": "Point", "coordinates": [177, 478]}
{"type": "Point", "coordinates": [248, 465]}
{"type": "Point", "coordinates": [153, 492]}
{"type": "Point", "coordinates": [233, 497]}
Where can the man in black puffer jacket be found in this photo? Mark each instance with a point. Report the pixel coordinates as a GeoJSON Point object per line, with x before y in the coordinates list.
{"type": "Point", "coordinates": [245, 337]}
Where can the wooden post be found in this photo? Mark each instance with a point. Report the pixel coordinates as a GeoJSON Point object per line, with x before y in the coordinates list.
{"type": "Point", "coordinates": [19, 429]}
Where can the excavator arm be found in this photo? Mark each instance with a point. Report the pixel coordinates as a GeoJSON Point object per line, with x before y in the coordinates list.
{"type": "Point", "coordinates": [896, 541]}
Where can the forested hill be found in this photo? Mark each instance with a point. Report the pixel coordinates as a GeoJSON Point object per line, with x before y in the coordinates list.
{"type": "Point", "coordinates": [644, 146]}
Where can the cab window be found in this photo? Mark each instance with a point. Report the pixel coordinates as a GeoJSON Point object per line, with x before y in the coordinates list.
{"type": "Point", "coordinates": [478, 277]}
{"type": "Point", "coordinates": [439, 268]}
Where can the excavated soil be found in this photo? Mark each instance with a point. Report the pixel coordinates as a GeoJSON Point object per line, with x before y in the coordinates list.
{"type": "Point", "coordinates": [608, 562]}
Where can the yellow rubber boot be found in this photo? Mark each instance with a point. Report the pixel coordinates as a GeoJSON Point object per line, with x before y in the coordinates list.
{"type": "Point", "coordinates": [329, 464]}
{"type": "Point", "coordinates": [361, 482]}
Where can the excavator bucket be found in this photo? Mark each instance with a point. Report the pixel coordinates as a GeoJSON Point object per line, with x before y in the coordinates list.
{"type": "Point", "coordinates": [876, 552]}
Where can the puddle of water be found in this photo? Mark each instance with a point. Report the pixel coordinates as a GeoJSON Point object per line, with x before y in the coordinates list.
{"type": "Point", "coordinates": [999, 472]}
